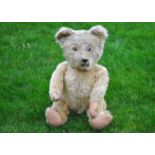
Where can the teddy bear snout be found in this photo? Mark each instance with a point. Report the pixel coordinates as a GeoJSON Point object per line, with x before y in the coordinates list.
{"type": "Point", "coordinates": [85, 62]}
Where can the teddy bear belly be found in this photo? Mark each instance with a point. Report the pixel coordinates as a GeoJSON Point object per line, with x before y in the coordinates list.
{"type": "Point", "coordinates": [77, 96]}
{"type": "Point", "coordinates": [77, 88]}
{"type": "Point", "coordinates": [75, 103]}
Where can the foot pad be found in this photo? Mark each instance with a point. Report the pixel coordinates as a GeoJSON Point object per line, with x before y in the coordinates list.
{"type": "Point", "coordinates": [102, 120]}
{"type": "Point", "coordinates": [52, 117]}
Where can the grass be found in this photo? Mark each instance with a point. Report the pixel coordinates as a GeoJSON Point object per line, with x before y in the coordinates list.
{"type": "Point", "coordinates": [29, 54]}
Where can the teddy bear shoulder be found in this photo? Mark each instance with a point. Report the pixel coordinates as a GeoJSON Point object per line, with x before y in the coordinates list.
{"type": "Point", "coordinates": [62, 66]}
{"type": "Point", "coordinates": [100, 70]}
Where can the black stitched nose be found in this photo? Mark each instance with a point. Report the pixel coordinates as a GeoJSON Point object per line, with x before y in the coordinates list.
{"type": "Point", "coordinates": [84, 60]}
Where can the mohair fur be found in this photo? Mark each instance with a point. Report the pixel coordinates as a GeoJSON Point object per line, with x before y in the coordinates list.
{"type": "Point", "coordinates": [77, 85]}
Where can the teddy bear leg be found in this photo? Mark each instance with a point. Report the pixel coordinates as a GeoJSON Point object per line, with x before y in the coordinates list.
{"type": "Point", "coordinates": [57, 114]}
{"type": "Point", "coordinates": [103, 117]}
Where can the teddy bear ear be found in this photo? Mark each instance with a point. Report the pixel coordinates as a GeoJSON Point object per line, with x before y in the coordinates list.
{"type": "Point", "coordinates": [99, 31]}
{"type": "Point", "coordinates": [63, 32]}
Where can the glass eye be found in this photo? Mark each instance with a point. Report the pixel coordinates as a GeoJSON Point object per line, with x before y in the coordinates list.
{"type": "Point", "coordinates": [74, 49]}
{"type": "Point", "coordinates": [89, 49]}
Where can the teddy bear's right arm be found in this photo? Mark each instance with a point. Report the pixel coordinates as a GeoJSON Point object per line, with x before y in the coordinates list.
{"type": "Point", "coordinates": [56, 81]}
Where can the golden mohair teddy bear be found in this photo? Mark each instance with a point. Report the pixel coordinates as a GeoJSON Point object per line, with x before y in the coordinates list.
{"type": "Point", "coordinates": [79, 83]}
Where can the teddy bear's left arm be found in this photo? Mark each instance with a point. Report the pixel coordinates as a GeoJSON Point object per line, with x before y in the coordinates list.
{"type": "Point", "coordinates": [100, 86]}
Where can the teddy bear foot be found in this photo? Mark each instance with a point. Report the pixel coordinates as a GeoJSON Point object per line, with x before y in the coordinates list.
{"type": "Point", "coordinates": [52, 117]}
{"type": "Point", "coordinates": [101, 121]}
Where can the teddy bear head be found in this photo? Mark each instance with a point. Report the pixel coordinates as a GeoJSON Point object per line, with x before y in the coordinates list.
{"type": "Point", "coordinates": [82, 48]}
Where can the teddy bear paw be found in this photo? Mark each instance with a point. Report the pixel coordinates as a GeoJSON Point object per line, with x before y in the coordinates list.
{"type": "Point", "coordinates": [101, 121]}
{"type": "Point", "coordinates": [52, 117]}
{"type": "Point", "coordinates": [55, 96]}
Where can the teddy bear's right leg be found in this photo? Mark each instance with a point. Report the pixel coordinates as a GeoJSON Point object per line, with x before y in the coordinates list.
{"type": "Point", "coordinates": [57, 114]}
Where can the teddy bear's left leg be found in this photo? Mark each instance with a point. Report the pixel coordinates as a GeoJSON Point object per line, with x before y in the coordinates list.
{"type": "Point", "coordinates": [103, 117]}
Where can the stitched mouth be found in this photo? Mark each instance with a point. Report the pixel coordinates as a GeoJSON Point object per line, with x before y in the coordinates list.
{"type": "Point", "coordinates": [85, 64]}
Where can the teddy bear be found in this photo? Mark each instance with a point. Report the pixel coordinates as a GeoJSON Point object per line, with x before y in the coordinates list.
{"type": "Point", "coordinates": [79, 83]}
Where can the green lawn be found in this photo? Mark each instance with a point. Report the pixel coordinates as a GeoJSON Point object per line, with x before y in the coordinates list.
{"type": "Point", "coordinates": [29, 54]}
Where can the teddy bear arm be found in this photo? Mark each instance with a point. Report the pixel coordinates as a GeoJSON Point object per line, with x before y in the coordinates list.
{"type": "Point", "coordinates": [56, 81]}
{"type": "Point", "coordinates": [100, 86]}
